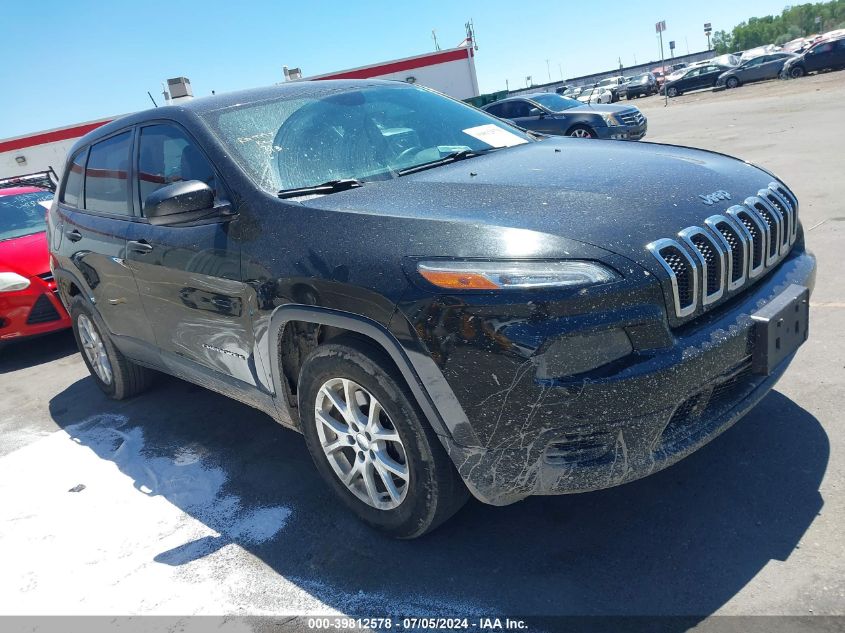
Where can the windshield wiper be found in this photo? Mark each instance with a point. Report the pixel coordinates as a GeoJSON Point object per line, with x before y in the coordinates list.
{"type": "Point", "coordinates": [451, 157]}
{"type": "Point", "coordinates": [330, 186]}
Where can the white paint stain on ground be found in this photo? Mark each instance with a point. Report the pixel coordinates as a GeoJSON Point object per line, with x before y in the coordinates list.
{"type": "Point", "coordinates": [152, 535]}
{"type": "Point", "coordinates": [148, 534]}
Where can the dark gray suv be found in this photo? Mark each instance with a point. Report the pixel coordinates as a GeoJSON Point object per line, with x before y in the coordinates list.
{"type": "Point", "coordinates": [550, 113]}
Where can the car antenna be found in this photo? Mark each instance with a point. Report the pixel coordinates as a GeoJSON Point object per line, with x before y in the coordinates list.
{"type": "Point", "coordinates": [151, 98]}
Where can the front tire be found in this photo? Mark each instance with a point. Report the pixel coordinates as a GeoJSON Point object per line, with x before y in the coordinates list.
{"type": "Point", "coordinates": [371, 444]}
{"type": "Point", "coordinates": [117, 376]}
{"type": "Point", "coordinates": [732, 82]}
{"type": "Point", "coordinates": [673, 92]}
{"type": "Point", "coordinates": [581, 131]}
{"type": "Point", "coordinates": [797, 71]}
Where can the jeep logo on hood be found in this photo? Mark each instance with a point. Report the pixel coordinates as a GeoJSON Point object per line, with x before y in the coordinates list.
{"type": "Point", "coordinates": [716, 196]}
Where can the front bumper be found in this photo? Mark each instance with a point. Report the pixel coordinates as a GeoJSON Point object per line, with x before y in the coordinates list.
{"type": "Point", "coordinates": [557, 437]}
{"type": "Point", "coordinates": [640, 91]}
{"type": "Point", "coordinates": [623, 132]}
{"type": "Point", "coordinates": [33, 311]}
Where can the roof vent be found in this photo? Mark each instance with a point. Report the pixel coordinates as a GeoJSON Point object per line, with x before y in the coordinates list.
{"type": "Point", "coordinates": [292, 74]}
{"type": "Point", "coordinates": [179, 88]}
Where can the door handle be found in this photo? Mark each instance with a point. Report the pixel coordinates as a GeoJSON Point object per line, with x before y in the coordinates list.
{"type": "Point", "coordinates": [141, 247]}
{"type": "Point", "coordinates": [73, 235]}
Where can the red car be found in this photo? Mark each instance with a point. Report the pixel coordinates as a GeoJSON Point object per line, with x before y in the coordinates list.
{"type": "Point", "coordinates": [29, 305]}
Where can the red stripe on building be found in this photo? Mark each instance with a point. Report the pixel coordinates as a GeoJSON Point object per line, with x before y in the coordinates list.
{"type": "Point", "coordinates": [396, 67]}
{"type": "Point", "coordinates": [50, 137]}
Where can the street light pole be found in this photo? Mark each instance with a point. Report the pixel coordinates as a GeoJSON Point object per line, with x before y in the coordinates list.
{"type": "Point", "coordinates": [660, 27]}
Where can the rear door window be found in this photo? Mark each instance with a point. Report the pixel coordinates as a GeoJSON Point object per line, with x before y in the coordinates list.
{"type": "Point", "coordinates": [107, 176]}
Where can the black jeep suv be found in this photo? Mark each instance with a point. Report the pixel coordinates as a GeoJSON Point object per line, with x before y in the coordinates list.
{"type": "Point", "coordinates": [439, 301]}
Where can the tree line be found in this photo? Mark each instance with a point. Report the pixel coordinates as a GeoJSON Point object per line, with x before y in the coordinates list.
{"type": "Point", "coordinates": [793, 22]}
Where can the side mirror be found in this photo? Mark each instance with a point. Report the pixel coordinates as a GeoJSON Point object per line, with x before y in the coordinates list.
{"type": "Point", "coordinates": [536, 112]}
{"type": "Point", "coordinates": [179, 202]}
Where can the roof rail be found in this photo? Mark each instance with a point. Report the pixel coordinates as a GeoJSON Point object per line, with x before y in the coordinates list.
{"type": "Point", "coordinates": [45, 179]}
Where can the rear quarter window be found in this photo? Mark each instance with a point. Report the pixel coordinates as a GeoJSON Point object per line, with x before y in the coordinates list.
{"type": "Point", "coordinates": [72, 192]}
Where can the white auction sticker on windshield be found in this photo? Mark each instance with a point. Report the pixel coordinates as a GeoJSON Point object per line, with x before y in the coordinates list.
{"type": "Point", "coordinates": [494, 136]}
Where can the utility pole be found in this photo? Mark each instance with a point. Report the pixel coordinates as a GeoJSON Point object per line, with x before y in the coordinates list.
{"type": "Point", "coordinates": [548, 72]}
{"type": "Point", "coordinates": [560, 68]}
{"type": "Point", "coordinates": [707, 30]}
{"type": "Point", "coordinates": [507, 87]}
{"type": "Point", "coordinates": [660, 27]}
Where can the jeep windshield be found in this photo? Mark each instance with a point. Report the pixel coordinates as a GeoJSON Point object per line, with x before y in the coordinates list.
{"type": "Point", "coordinates": [303, 145]}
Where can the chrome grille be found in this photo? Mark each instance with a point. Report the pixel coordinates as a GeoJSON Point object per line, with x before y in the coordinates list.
{"type": "Point", "coordinates": [683, 273]}
{"type": "Point", "coordinates": [755, 231]}
{"type": "Point", "coordinates": [712, 260]}
{"type": "Point", "coordinates": [782, 206]}
{"type": "Point", "coordinates": [774, 226]}
{"type": "Point", "coordinates": [737, 247]}
{"type": "Point", "coordinates": [634, 117]}
{"type": "Point", "coordinates": [707, 262]}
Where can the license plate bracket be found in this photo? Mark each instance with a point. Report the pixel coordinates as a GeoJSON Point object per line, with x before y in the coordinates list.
{"type": "Point", "coordinates": [780, 328]}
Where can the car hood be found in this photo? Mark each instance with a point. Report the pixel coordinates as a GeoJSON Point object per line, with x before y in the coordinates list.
{"type": "Point", "coordinates": [25, 255]}
{"type": "Point", "coordinates": [595, 108]}
{"type": "Point", "coordinates": [615, 195]}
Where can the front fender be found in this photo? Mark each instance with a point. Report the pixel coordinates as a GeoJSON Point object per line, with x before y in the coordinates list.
{"type": "Point", "coordinates": [427, 384]}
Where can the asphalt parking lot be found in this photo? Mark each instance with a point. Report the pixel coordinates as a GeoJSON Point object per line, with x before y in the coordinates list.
{"type": "Point", "coordinates": [195, 504]}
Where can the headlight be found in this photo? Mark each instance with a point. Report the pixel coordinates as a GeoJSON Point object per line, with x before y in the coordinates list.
{"type": "Point", "coordinates": [519, 275]}
{"type": "Point", "coordinates": [9, 282]}
{"type": "Point", "coordinates": [611, 120]}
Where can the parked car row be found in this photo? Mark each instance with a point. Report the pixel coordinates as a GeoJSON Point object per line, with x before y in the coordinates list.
{"type": "Point", "coordinates": [761, 63]}
{"type": "Point", "coordinates": [826, 54]}
{"type": "Point", "coordinates": [767, 66]}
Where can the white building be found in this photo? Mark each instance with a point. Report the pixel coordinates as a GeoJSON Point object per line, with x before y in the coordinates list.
{"type": "Point", "coordinates": [30, 153]}
{"type": "Point", "coordinates": [450, 71]}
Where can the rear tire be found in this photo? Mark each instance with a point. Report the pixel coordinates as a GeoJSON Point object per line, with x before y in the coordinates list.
{"type": "Point", "coordinates": [404, 484]}
{"type": "Point", "coordinates": [117, 376]}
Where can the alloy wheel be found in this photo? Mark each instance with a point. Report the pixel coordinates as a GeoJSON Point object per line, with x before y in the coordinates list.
{"type": "Point", "coordinates": [581, 133]}
{"type": "Point", "coordinates": [673, 91]}
{"type": "Point", "coordinates": [94, 349]}
{"type": "Point", "coordinates": [361, 444]}
{"type": "Point", "coordinates": [732, 82]}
